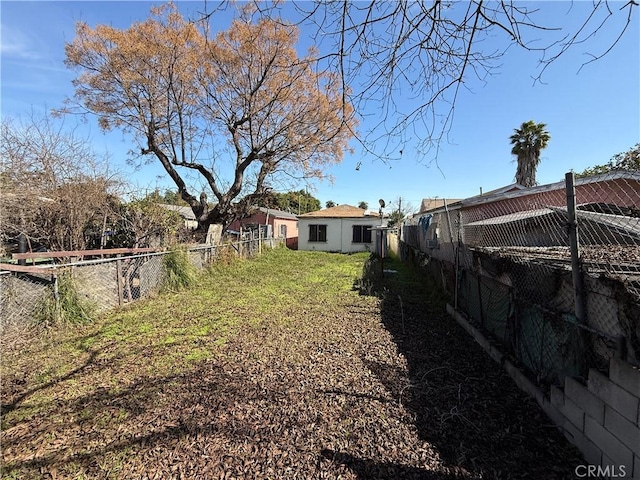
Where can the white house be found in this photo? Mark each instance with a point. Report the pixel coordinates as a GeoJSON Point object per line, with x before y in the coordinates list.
{"type": "Point", "coordinates": [338, 229]}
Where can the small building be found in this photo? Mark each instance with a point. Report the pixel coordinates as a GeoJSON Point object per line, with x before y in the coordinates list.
{"type": "Point", "coordinates": [284, 225]}
{"type": "Point", "coordinates": [189, 218]}
{"type": "Point", "coordinates": [342, 229]}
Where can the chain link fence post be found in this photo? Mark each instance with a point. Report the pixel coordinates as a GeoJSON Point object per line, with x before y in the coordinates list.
{"type": "Point", "coordinates": [574, 246]}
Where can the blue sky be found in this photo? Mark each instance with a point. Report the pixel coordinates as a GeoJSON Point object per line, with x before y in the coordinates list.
{"type": "Point", "coordinates": [591, 114]}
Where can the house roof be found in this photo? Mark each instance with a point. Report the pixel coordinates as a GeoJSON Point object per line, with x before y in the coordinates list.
{"type": "Point", "coordinates": [519, 191]}
{"type": "Point", "coordinates": [431, 203]}
{"type": "Point", "coordinates": [620, 222]}
{"type": "Point", "coordinates": [515, 190]}
{"type": "Point", "coordinates": [341, 211]}
{"type": "Point", "coordinates": [184, 212]}
{"type": "Point", "coordinates": [278, 213]}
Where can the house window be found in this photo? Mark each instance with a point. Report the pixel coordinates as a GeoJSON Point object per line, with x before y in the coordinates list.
{"type": "Point", "coordinates": [283, 231]}
{"type": "Point", "coordinates": [317, 233]}
{"type": "Point", "coordinates": [361, 234]}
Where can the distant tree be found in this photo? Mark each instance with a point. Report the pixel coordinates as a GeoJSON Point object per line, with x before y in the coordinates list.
{"type": "Point", "coordinates": [399, 210]}
{"type": "Point", "coordinates": [528, 141]}
{"type": "Point", "coordinates": [363, 205]}
{"type": "Point", "coordinates": [625, 161]}
{"type": "Point", "coordinates": [330, 204]}
{"type": "Point", "coordinates": [297, 202]}
{"type": "Point", "coordinates": [172, 197]}
{"type": "Point", "coordinates": [191, 101]}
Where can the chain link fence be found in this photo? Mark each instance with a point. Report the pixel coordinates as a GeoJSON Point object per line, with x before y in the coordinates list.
{"type": "Point", "coordinates": [103, 283]}
{"type": "Point", "coordinates": [557, 304]}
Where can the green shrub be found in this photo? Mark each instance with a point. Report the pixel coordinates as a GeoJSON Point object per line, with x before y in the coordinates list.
{"type": "Point", "coordinates": [179, 270]}
{"type": "Point", "coordinates": [65, 305]}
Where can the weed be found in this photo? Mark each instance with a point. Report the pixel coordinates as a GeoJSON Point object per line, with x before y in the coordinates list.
{"type": "Point", "coordinates": [225, 255]}
{"type": "Point", "coordinates": [65, 305]}
{"type": "Point", "coordinates": [180, 272]}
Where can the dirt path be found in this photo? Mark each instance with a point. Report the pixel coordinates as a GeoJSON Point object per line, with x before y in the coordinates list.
{"type": "Point", "coordinates": [363, 389]}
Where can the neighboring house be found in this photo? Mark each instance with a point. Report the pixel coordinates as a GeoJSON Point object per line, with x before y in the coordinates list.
{"type": "Point", "coordinates": [428, 204]}
{"type": "Point", "coordinates": [343, 229]}
{"type": "Point", "coordinates": [607, 204]}
{"type": "Point", "coordinates": [283, 224]}
{"type": "Point", "coordinates": [185, 212]}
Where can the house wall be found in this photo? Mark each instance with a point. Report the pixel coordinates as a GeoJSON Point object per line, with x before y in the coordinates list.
{"type": "Point", "coordinates": [543, 231]}
{"type": "Point", "coordinates": [261, 219]}
{"type": "Point", "coordinates": [292, 227]}
{"type": "Point", "coordinates": [339, 234]}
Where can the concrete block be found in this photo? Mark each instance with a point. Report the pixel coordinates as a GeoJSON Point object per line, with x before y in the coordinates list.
{"type": "Point", "coordinates": [609, 469]}
{"type": "Point", "coordinates": [610, 445]}
{"type": "Point", "coordinates": [554, 413]}
{"type": "Point", "coordinates": [523, 382]}
{"type": "Point", "coordinates": [613, 395]}
{"type": "Point", "coordinates": [590, 451]}
{"type": "Point", "coordinates": [625, 375]}
{"type": "Point", "coordinates": [493, 352]}
{"type": "Point", "coordinates": [573, 413]}
{"type": "Point", "coordinates": [557, 396]}
{"type": "Point", "coordinates": [622, 429]}
{"type": "Point", "coordinates": [592, 405]}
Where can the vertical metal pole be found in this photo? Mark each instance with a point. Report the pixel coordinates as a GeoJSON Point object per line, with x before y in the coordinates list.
{"type": "Point", "coordinates": [22, 247]}
{"type": "Point", "coordinates": [457, 263]}
{"type": "Point", "coordinates": [119, 279]}
{"type": "Point", "coordinates": [56, 297]}
{"type": "Point", "coordinates": [574, 245]}
{"type": "Point", "coordinates": [381, 245]}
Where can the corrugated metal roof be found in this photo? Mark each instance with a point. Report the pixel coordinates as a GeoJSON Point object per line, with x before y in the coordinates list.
{"type": "Point", "coordinates": [621, 222]}
{"type": "Point", "coordinates": [278, 213]}
{"type": "Point", "coordinates": [341, 211]}
{"type": "Point", "coordinates": [512, 217]}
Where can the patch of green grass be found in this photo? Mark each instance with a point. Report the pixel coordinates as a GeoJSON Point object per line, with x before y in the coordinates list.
{"type": "Point", "coordinates": [197, 355]}
{"type": "Point", "coordinates": [83, 365]}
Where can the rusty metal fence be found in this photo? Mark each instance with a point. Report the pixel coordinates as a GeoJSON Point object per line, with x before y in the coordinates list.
{"type": "Point", "coordinates": [551, 272]}
{"type": "Point", "coordinates": [103, 283]}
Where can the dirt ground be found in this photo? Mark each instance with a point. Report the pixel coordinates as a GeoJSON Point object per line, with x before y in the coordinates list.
{"type": "Point", "coordinates": [375, 387]}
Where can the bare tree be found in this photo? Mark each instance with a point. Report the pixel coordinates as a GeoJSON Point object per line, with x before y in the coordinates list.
{"type": "Point", "coordinates": [399, 208]}
{"type": "Point", "coordinates": [386, 51]}
{"type": "Point", "coordinates": [53, 187]}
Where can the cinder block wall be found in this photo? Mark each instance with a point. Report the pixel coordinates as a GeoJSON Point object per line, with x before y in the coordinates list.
{"type": "Point", "coordinates": [602, 418]}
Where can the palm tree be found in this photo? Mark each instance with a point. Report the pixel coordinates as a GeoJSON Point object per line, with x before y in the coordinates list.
{"type": "Point", "coordinates": [528, 141]}
{"type": "Point", "coordinates": [363, 205]}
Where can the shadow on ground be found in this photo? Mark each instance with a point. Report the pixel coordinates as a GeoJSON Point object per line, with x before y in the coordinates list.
{"type": "Point", "coordinates": [463, 402]}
